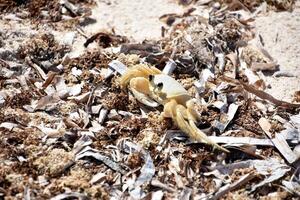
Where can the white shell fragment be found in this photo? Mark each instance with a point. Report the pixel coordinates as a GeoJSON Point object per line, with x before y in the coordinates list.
{"type": "Point", "coordinates": [117, 66]}
{"type": "Point", "coordinates": [76, 72]}
{"type": "Point", "coordinates": [169, 68]}
{"type": "Point", "coordinates": [69, 195]}
{"type": "Point", "coordinates": [8, 125]}
{"type": "Point", "coordinates": [102, 115]}
{"type": "Point", "coordinates": [232, 109]}
{"type": "Point", "coordinates": [200, 84]}
{"type": "Point", "coordinates": [97, 178]}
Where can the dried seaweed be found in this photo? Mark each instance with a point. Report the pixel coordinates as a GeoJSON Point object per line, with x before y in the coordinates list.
{"type": "Point", "coordinates": [43, 48]}
{"type": "Point", "coordinates": [106, 40]}
{"type": "Point", "coordinates": [42, 9]}
{"type": "Point", "coordinates": [279, 5]}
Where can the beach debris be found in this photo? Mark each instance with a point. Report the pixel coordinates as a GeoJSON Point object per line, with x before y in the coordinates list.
{"type": "Point", "coordinates": [91, 113]}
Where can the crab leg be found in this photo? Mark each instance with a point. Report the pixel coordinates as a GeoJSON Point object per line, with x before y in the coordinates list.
{"type": "Point", "coordinates": [191, 104]}
{"type": "Point", "coordinates": [200, 136]}
{"type": "Point", "coordinates": [180, 121]}
{"type": "Point", "coordinates": [179, 114]}
{"type": "Point", "coordinates": [193, 116]}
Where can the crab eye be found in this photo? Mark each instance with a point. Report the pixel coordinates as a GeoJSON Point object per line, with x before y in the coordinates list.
{"type": "Point", "coordinates": [151, 77]}
{"type": "Point", "coordinates": [160, 85]}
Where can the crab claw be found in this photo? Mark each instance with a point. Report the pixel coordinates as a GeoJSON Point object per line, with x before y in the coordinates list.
{"type": "Point", "coordinates": [144, 99]}
{"type": "Point", "coordinates": [137, 78]}
{"type": "Point", "coordinates": [139, 87]}
{"type": "Point", "coordinates": [137, 71]}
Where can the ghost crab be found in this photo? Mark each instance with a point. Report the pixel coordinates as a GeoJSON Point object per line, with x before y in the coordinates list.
{"type": "Point", "coordinates": [150, 87]}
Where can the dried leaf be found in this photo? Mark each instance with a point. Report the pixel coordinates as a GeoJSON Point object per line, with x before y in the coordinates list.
{"type": "Point", "coordinates": [229, 187]}
{"type": "Point", "coordinates": [261, 94]}
{"type": "Point", "coordinates": [140, 49]}
{"type": "Point", "coordinates": [221, 126]}
{"type": "Point", "coordinates": [36, 67]}
{"type": "Point", "coordinates": [274, 170]}
{"type": "Point", "coordinates": [69, 195]}
{"type": "Point", "coordinates": [89, 152]}
{"type": "Point", "coordinates": [148, 169]}
{"type": "Point", "coordinates": [279, 141]}
{"type": "Point", "coordinates": [51, 75]}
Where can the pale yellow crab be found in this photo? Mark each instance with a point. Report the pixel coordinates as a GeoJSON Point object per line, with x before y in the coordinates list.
{"type": "Point", "coordinates": [152, 88]}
